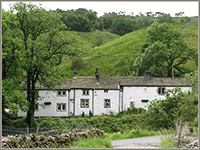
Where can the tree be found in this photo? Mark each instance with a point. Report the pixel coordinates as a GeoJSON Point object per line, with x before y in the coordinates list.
{"type": "Point", "coordinates": [192, 80]}
{"type": "Point", "coordinates": [163, 113]}
{"type": "Point", "coordinates": [11, 72]}
{"type": "Point", "coordinates": [42, 43]}
{"type": "Point", "coordinates": [122, 25]}
{"type": "Point", "coordinates": [165, 18]}
{"type": "Point", "coordinates": [167, 49]}
{"type": "Point", "coordinates": [125, 67]}
{"type": "Point", "coordinates": [98, 38]}
{"type": "Point", "coordinates": [80, 19]}
{"type": "Point", "coordinates": [108, 19]}
{"type": "Point", "coordinates": [188, 106]}
{"type": "Point", "coordinates": [77, 22]}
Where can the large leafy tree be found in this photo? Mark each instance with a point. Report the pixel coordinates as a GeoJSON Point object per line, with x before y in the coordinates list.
{"type": "Point", "coordinates": [42, 46]}
{"type": "Point", "coordinates": [166, 49]}
{"type": "Point", "coordinates": [122, 25]}
{"type": "Point", "coordinates": [11, 72]}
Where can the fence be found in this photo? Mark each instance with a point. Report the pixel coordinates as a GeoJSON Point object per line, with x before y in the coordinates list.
{"type": "Point", "coordinates": [10, 130]}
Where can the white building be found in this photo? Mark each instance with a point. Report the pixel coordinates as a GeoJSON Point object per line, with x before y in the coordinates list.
{"type": "Point", "coordinates": [103, 94]}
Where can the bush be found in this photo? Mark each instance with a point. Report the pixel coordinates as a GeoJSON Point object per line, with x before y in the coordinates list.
{"type": "Point", "coordinates": [163, 113]}
{"type": "Point", "coordinates": [195, 122]}
{"type": "Point", "coordinates": [78, 63]}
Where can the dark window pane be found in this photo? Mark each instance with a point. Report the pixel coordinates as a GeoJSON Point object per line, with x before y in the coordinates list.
{"type": "Point", "coordinates": [63, 106]}
{"type": "Point", "coordinates": [59, 107]}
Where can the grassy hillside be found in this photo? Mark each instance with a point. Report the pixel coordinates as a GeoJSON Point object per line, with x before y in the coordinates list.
{"type": "Point", "coordinates": [129, 44]}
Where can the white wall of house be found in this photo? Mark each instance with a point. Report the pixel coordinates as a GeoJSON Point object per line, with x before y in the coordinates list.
{"type": "Point", "coordinates": [50, 110]}
{"type": "Point", "coordinates": [80, 96]}
{"type": "Point", "coordinates": [137, 94]}
{"type": "Point", "coordinates": [96, 98]}
{"type": "Point", "coordinates": [100, 96]}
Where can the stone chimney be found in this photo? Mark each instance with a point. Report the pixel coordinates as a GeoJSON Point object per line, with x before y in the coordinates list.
{"type": "Point", "coordinates": [97, 76]}
{"type": "Point", "coordinates": [148, 74]}
{"type": "Point", "coordinates": [75, 73]}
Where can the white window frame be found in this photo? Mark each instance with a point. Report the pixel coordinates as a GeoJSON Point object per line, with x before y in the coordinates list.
{"type": "Point", "coordinates": [86, 92]}
{"type": "Point", "coordinates": [84, 103]}
{"type": "Point", "coordinates": [62, 92]}
{"type": "Point", "coordinates": [108, 101]}
{"type": "Point", "coordinates": [61, 108]}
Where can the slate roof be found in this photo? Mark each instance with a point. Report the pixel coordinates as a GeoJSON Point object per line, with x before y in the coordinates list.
{"type": "Point", "coordinates": [89, 82]}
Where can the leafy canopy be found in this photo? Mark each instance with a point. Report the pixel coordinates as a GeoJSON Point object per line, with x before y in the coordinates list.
{"type": "Point", "coordinates": [166, 49]}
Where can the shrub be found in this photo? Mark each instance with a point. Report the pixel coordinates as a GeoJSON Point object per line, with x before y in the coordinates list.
{"type": "Point", "coordinates": [195, 122]}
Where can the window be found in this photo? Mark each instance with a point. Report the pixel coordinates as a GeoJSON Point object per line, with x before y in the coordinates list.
{"type": "Point", "coordinates": [132, 104]}
{"type": "Point", "coordinates": [84, 103]}
{"type": "Point", "coordinates": [161, 90]}
{"type": "Point", "coordinates": [85, 92]}
{"type": "Point", "coordinates": [61, 93]}
{"type": "Point", "coordinates": [106, 103]}
{"type": "Point", "coordinates": [61, 106]}
{"type": "Point", "coordinates": [37, 107]}
{"type": "Point", "coordinates": [105, 91]}
{"type": "Point", "coordinates": [144, 100]}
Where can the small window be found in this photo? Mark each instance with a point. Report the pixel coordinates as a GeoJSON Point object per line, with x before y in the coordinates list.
{"type": "Point", "coordinates": [106, 103]}
{"type": "Point", "coordinates": [161, 90]}
{"type": "Point", "coordinates": [85, 92]}
{"type": "Point", "coordinates": [37, 107]}
{"type": "Point", "coordinates": [61, 93]}
{"type": "Point", "coordinates": [132, 104]}
{"type": "Point", "coordinates": [145, 100]}
{"type": "Point", "coordinates": [105, 91]}
{"type": "Point", "coordinates": [61, 107]}
{"type": "Point", "coordinates": [84, 103]}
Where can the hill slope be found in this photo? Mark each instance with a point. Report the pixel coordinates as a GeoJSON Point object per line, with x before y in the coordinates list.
{"type": "Point", "coordinates": [129, 44]}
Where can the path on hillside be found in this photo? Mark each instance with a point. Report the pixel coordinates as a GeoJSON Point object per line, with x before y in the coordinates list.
{"type": "Point", "coordinates": [142, 142]}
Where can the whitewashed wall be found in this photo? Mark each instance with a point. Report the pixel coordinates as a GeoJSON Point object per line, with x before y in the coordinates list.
{"type": "Point", "coordinates": [50, 110]}
{"type": "Point", "coordinates": [99, 97]}
{"type": "Point", "coordinates": [78, 96]}
{"type": "Point", "coordinates": [119, 100]}
{"type": "Point", "coordinates": [136, 94]}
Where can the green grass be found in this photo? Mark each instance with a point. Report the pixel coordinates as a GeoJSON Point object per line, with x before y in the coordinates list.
{"type": "Point", "coordinates": [142, 133]}
{"type": "Point", "coordinates": [129, 44]}
{"type": "Point", "coordinates": [97, 142]}
{"type": "Point", "coordinates": [166, 142]}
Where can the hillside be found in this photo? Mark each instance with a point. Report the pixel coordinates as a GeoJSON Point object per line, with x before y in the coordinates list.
{"type": "Point", "coordinates": [129, 44]}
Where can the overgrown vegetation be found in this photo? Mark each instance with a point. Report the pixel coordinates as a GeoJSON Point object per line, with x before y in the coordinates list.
{"type": "Point", "coordinates": [92, 143]}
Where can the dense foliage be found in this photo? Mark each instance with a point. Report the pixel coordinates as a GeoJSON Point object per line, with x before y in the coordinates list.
{"type": "Point", "coordinates": [166, 50]}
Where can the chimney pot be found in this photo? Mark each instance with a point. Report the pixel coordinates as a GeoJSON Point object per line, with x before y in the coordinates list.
{"type": "Point", "coordinates": [148, 74]}
{"type": "Point", "coordinates": [75, 73]}
{"type": "Point", "coordinates": [97, 76]}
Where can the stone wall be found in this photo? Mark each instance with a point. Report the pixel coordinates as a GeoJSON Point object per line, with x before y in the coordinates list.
{"type": "Point", "coordinates": [186, 136]}
{"type": "Point", "coordinates": [188, 24]}
{"type": "Point", "coordinates": [48, 140]}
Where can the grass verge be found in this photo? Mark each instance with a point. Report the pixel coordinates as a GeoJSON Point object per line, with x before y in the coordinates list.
{"type": "Point", "coordinates": [97, 142]}
{"type": "Point", "coordinates": [139, 133]}
{"type": "Point", "coordinates": [166, 142]}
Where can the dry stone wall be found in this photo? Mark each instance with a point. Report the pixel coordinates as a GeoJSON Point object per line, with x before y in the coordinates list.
{"type": "Point", "coordinates": [186, 139]}
{"type": "Point", "coordinates": [188, 24]}
{"type": "Point", "coordinates": [49, 141]}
